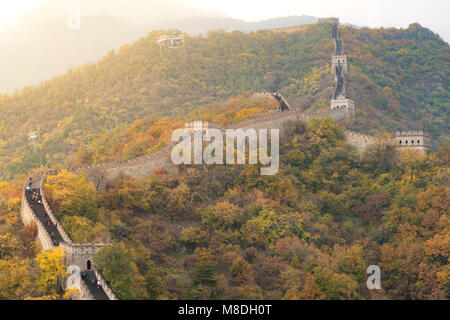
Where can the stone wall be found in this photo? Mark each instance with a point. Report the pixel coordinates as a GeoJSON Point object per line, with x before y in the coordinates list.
{"type": "Point", "coordinates": [144, 166]}
{"type": "Point", "coordinates": [84, 292]}
{"type": "Point", "coordinates": [78, 254]}
{"type": "Point", "coordinates": [28, 216]}
{"type": "Point", "coordinates": [342, 110]}
{"type": "Point", "coordinates": [49, 211]}
{"type": "Point", "coordinates": [104, 285]}
{"type": "Point", "coordinates": [358, 140]}
{"type": "Point", "coordinates": [139, 167]}
{"type": "Point", "coordinates": [275, 120]}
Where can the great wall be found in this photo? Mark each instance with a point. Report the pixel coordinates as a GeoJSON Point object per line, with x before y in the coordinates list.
{"type": "Point", "coordinates": [79, 256]}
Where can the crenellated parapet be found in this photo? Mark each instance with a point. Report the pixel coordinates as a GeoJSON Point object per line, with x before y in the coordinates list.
{"type": "Point", "coordinates": [359, 140]}
{"type": "Point", "coordinates": [412, 139]}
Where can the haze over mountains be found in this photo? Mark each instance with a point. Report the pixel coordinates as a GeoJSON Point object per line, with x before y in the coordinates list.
{"type": "Point", "coordinates": [40, 45]}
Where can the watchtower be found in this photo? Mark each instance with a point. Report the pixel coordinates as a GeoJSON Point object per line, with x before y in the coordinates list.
{"type": "Point", "coordinates": [329, 20]}
{"type": "Point", "coordinates": [342, 109]}
{"type": "Point", "coordinates": [412, 139]}
{"type": "Point", "coordinates": [339, 61]}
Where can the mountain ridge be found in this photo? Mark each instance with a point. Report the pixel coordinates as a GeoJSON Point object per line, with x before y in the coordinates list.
{"type": "Point", "coordinates": [397, 77]}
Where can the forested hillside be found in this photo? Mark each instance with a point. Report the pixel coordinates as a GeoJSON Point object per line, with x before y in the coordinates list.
{"type": "Point", "coordinates": [226, 232]}
{"type": "Point", "coordinates": [398, 78]}
{"type": "Point", "coordinates": [309, 232]}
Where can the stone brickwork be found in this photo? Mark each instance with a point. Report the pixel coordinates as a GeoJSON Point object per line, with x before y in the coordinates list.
{"type": "Point", "coordinates": [80, 254]}
{"type": "Point", "coordinates": [339, 61]}
{"type": "Point", "coordinates": [412, 139]}
{"type": "Point", "coordinates": [84, 292]}
{"type": "Point", "coordinates": [358, 140]}
{"type": "Point", "coordinates": [104, 285]}
{"type": "Point", "coordinates": [342, 110]}
{"type": "Point", "coordinates": [76, 254]}
{"type": "Point", "coordinates": [28, 217]}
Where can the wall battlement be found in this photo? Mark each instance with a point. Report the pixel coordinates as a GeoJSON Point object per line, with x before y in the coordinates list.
{"type": "Point", "coordinates": [77, 254]}
{"type": "Point", "coordinates": [358, 140]}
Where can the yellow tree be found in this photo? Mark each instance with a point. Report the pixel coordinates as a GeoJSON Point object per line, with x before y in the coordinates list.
{"type": "Point", "coordinates": [73, 195]}
{"type": "Point", "coordinates": [52, 270]}
{"type": "Point", "coordinates": [16, 280]}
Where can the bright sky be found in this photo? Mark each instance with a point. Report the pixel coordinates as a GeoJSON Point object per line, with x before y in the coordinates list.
{"type": "Point", "coordinates": [433, 14]}
{"type": "Point", "coordinates": [9, 9]}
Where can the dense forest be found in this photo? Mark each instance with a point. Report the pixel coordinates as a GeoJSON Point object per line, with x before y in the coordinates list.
{"type": "Point", "coordinates": [219, 232]}
{"type": "Point", "coordinates": [398, 77]}
{"type": "Point", "coordinates": [310, 232]}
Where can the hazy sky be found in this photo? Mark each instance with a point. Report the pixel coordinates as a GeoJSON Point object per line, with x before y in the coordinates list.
{"type": "Point", "coordinates": [433, 14]}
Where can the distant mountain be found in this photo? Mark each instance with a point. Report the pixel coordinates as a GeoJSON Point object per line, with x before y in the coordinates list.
{"type": "Point", "coordinates": [202, 25]}
{"type": "Point", "coordinates": [282, 22]}
{"type": "Point", "coordinates": [42, 49]}
{"type": "Point", "coordinates": [39, 45]}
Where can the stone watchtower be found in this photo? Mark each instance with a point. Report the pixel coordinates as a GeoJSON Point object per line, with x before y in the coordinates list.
{"type": "Point", "coordinates": [341, 107]}
{"type": "Point", "coordinates": [329, 20]}
{"type": "Point", "coordinates": [412, 139]}
{"type": "Point", "coordinates": [339, 61]}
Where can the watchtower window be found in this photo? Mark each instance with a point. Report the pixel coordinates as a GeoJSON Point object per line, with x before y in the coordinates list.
{"type": "Point", "coordinates": [400, 141]}
{"type": "Point", "coordinates": [406, 141]}
{"type": "Point", "coordinates": [418, 141]}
